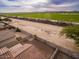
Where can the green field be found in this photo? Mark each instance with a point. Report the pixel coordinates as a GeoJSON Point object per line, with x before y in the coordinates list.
{"type": "Point", "coordinates": [72, 17]}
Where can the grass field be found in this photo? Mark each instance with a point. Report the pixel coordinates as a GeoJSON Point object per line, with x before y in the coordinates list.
{"type": "Point", "coordinates": [72, 17]}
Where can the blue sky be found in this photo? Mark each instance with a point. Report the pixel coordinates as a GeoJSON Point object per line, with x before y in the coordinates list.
{"type": "Point", "coordinates": [38, 5]}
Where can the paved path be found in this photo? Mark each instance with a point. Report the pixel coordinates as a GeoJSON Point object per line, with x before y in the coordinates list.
{"type": "Point", "coordinates": [48, 32]}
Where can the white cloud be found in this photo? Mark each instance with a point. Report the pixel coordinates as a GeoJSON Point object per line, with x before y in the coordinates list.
{"type": "Point", "coordinates": [21, 2]}
{"type": "Point", "coordinates": [8, 3]}
{"type": "Point", "coordinates": [35, 5]}
{"type": "Point", "coordinates": [14, 9]}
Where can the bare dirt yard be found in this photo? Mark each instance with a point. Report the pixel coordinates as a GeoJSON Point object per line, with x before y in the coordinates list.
{"type": "Point", "coordinates": [48, 32]}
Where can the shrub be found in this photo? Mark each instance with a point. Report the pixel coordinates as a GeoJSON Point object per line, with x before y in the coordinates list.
{"type": "Point", "coordinates": [18, 30]}
{"type": "Point", "coordinates": [7, 19]}
{"type": "Point", "coordinates": [0, 19]}
{"type": "Point", "coordinates": [72, 32]}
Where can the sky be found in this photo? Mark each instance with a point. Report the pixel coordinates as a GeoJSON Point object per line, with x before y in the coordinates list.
{"type": "Point", "coordinates": [7, 6]}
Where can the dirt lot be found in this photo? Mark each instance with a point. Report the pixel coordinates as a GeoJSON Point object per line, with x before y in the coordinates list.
{"type": "Point", "coordinates": [47, 32]}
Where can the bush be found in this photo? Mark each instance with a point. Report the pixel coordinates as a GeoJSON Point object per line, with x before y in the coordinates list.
{"type": "Point", "coordinates": [7, 19]}
{"type": "Point", "coordinates": [18, 30]}
{"type": "Point", "coordinates": [72, 32]}
{"type": "Point", "coordinates": [0, 19]}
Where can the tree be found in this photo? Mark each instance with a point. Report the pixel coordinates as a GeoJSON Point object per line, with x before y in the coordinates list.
{"type": "Point", "coordinates": [72, 32]}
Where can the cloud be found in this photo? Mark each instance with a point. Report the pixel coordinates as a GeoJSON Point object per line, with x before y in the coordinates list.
{"type": "Point", "coordinates": [38, 5]}
{"type": "Point", "coordinates": [20, 2]}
